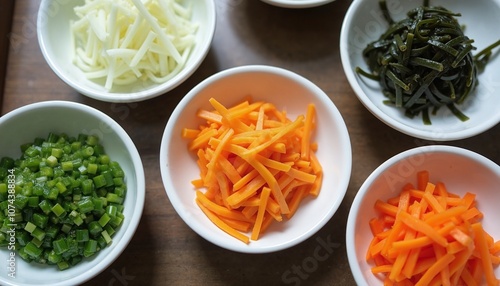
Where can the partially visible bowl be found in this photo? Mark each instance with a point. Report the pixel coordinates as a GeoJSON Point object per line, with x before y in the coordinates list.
{"type": "Point", "coordinates": [287, 91]}
{"type": "Point", "coordinates": [23, 125]}
{"type": "Point", "coordinates": [53, 29]}
{"type": "Point", "coordinates": [364, 23]}
{"type": "Point", "coordinates": [459, 169]}
{"type": "Point", "coordinates": [297, 3]}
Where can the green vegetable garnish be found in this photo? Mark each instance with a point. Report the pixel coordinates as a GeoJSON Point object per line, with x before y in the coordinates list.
{"type": "Point", "coordinates": [424, 61]}
{"type": "Point", "coordinates": [62, 200]}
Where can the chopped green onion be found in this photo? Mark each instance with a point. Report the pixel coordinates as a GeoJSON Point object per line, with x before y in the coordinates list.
{"type": "Point", "coordinates": [68, 202]}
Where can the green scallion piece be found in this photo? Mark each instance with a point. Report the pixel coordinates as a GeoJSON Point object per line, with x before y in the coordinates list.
{"type": "Point", "coordinates": [32, 250]}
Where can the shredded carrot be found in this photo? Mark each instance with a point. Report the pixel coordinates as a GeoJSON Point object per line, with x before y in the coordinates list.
{"type": "Point", "coordinates": [431, 236]}
{"type": "Point", "coordinates": [256, 165]}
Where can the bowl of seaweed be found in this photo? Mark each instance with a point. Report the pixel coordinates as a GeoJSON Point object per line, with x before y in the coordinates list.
{"type": "Point", "coordinates": [427, 69]}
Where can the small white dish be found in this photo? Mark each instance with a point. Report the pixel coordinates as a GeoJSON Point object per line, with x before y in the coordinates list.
{"type": "Point", "coordinates": [53, 30]}
{"type": "Point", "coordinates": [23, 125]}
{"type": "Point", "coordinates": [459, 169]}
{"type": "Point", "coordinates": [287, 91]}
{"type": "Point", "coordinates": [297, 3]}
{"type": "Point", "coordinates": [364, 23]}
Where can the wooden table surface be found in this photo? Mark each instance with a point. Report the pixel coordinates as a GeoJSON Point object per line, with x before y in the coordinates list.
{"type": "Point", "coordinates": [164, 250]}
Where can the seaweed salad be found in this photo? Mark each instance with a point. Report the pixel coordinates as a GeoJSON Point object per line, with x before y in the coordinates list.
{"type": "Point", "coordinates": [425, 61]}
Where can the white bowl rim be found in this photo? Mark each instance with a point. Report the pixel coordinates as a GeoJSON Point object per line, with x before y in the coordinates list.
{"type": "Point", "coordinates": [297, 3]}
{"type": "Point", "coordinates": [139, 172]}
{"type": "Point", "coordinates": [353, 215]}
{"type": "Point", "coordinates": [175, 201]}
{"type": "Point", "coordinates": [158, 90]}
{"type": "Point", "coordinates": [351, 77]}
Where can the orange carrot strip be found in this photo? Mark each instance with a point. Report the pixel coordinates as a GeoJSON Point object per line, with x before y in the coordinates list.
{"type": "Point", "coordinates": [373, 242]}
{"type": "Point", "coordinates": [188, 133]}
{"type": "Point", "coordinates": [250, 211]}
{"type": "Point", "coordinates": [472, 214]}
{"type": "Point", "coordinates": [245, 180]}
{"type": "Point", "coordinates": [260, 119]}
{"type": "Point", "coordinates": [481, 244]}
{"type": "Point", "coordinates": [459, 264]}
{"type": "Point", "coordinates": [197, 183]}
{"type": "Point", "coordinates": [202, 139]}
{"type": "Point", "coordinates": [467, 278]}
{"type": "Point", "coordinates": [433, 202]}
{"type": "Point", "coordinates": [435, 269]}
{"type": "Point", "coordinates": [386, 208]}
{"type": "Point", "coordinates": [298, 196]}
{"type": "Point", "coordinates": [264, 195]}
{"type": "Point", "coordinates": [222, 225]}
{"type": "Point", "coordinates": [404, 201]}
{"type": "Point", "coordinates": [219, 210]}
{"type": "Point", "coordinates": [422, 241]}
{"type": "Point", "coordinates": [236, 198]}
{"type": "Point", "coordinates": [381, 269]}
{"type": "Point", "coordinates": [301, 175]}
{"type": "Point", "coordinates": [496, 247]}
{"type": "Point", "coordinates": [285, 130]}
{"type": "Point", "coordinates": [316, 186]}
{"type": "Point", "coordinates": [444, 274]}
{"type": "Point", "coordinates": [377, 246]}
{"type": "Point", "coordinates": [422, 180]}
{"type": "Point", "coordinates": [376, 226]}
{"type": "Point", "coordinates": [306, 137]}
{"type": "Point", "coordinates": [397, 267]}
{"type": "Point", "coordinates": [462, 238]}
{"type": "Point", "coordinates": [238, 225]}
{"type": "Point", "coordinates": [229, 170]}
{"type": "Point", "coordinates": [422, 227]}
{"type": "Point", "coordinates": [444, 216]}
{"type": "Point", "coordinates": [274, 164]}
{"type": "Point", "coordinates": [209, 116]}
{"type": "Point", "coordinates": [441, 190]}
{"type": "Point", "coordinates": [396, 230]}
{"type": "Point", "coordinates": [468, 199]}
{"type": "Point", "coordinates": [266, 222]}
{"type": "Point", "coordinates": [272, 183]}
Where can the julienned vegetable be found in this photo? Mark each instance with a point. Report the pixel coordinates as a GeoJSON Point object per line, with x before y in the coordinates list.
{"type": "Point", "coordinates": [62, 200]}
{"type": "Point", "coordinates": [122, 41]}
{"type": "Point", "coordinates": [424, 62]}
{"type": "Point", "coordinates": [427, 235]}
{"type": "Point", "coordinates": [255, 165]}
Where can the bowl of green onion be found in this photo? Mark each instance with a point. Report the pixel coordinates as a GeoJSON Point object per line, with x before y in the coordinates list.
{"type": "Point", "coordinates": [125, 50]}
{"type": "Point", "coordinates": [72, 192]}
{"type": "Point", "coordinates": [425, 68]}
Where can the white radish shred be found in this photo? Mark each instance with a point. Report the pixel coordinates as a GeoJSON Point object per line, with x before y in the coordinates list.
{"type": "Point", "coordinates": [122, 41]}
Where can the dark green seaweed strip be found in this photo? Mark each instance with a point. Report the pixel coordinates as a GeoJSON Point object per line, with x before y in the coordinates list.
{"type": "Point", "coordinates": [385, 11]}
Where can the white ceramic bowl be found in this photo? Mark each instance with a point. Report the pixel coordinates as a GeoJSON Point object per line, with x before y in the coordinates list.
{"type": "Point", "coordinates": [55, 43]}
{"type": "Point", "coordinates": [459, 169]}
{"type": "Point", "coordinates": [363, 23]}
{"type": "Point", "coordinates": [23, 125]}
{"type": "Point", "coordinates": [297, 3]}
{"type": "Point", "coordinates": [288, 91]}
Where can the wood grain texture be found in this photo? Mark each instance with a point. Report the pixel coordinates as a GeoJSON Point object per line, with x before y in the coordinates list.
{"type": "Point", "coordinates": [164, 250]}
{"type": "Point", "coordinates": [6, 14]}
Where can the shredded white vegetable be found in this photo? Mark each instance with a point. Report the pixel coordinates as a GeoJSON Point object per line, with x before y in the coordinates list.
{"type": "Point", "coordinates": [122, 41]}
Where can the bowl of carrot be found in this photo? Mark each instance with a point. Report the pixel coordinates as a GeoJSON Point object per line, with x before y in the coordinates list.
{"type": "Point", "coordinates": [255, 159]}
{"type": "Point", "coordinates": [427, 216]}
